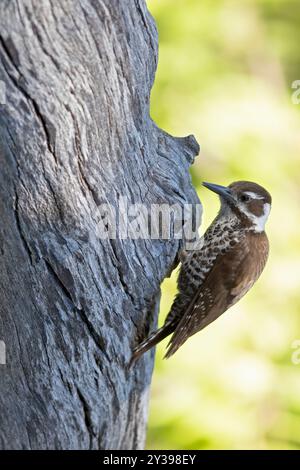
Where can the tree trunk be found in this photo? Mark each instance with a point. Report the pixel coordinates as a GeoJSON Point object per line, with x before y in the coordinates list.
{"type": "Point", "coordinates": [75, 133]}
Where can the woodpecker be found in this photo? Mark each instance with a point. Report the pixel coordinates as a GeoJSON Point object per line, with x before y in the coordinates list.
{"type": "Point", "coordinates": [231, 256]}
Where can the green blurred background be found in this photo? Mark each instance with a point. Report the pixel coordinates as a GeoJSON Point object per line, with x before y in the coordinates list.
{"type": "Point", "coordinates": [225, 73]}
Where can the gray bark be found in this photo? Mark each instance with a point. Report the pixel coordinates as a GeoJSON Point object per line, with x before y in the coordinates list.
{"type": "Point", "coordinates": [75, 132]}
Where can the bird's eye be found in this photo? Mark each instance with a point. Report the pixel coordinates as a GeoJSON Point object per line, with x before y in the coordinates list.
{"type": "Point", "coordinates": [245, 198]}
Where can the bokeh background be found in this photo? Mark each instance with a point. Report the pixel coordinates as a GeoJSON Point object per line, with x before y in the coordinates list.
{"type": "Point", "coordinates": [225, 74]}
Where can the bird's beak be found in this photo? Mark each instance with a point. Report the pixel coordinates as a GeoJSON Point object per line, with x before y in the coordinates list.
{"type": "Point", "coordinates": [222, 191]}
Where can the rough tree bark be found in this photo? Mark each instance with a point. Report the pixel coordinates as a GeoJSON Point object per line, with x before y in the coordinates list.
{"type": "Point", "coordinates": [75, 132]}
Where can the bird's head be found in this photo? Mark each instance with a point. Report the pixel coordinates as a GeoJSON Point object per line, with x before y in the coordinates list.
{"type": "Point", "coordinates": [246, 200]}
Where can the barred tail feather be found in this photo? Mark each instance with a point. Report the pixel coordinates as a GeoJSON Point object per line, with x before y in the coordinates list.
{"type": "Point", "coordinates": [152, 340]}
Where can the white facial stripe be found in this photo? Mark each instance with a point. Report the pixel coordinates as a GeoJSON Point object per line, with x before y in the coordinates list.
{"type": "Point", "coordinates": [259, 222]}
{"type": "Point", "coordinates": [253, 195]}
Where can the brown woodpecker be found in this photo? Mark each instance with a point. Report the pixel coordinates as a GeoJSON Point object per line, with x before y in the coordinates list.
{"type": "Point", "coordinates": [232, 255]}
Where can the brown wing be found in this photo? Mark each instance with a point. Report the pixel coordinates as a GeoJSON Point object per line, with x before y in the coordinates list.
{"type": "Point", "coordinates": [232, 276]}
